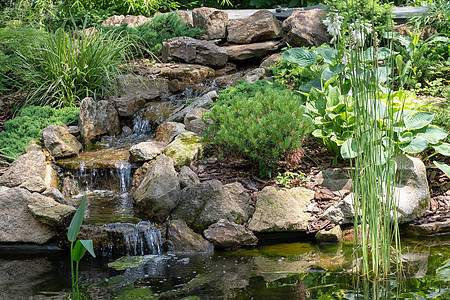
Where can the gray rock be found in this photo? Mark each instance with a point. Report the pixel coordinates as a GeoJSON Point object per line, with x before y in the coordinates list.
{"type": "Point", "coordinates": [305, 28]}
{"type": "Point", "coordinates": [26, 166]}
{"type": "Point", "coordinates": [47, 211]}
{"type": "Point", "coordinates": [226, 234]}
{"type": "Point", "coordinates": [254, 75]}
{"type": "Point", "coordinates": [166, 132]}
{"type": "Point", "coordinates": [185, 149]}
{"type": "Point", "coordinates": [281, 209]}
{"type": "Point", "coordinates": [34, 184]}
{"type": "Point", "coordinates": [260, 26]}
{"type": "Point", "coordinates": [243, 52]}
{"type": "Point", "coordinates": [191, 50]}
{"type": "Point", "coordinates": [181, 239]}
{"type": "Point", "coordinates": [55, 194]}
{"type": "Point", "coordinates": [335, 179]}
{"type": "Point", "coordinates": [412, 188]}
{"type": "Point", "coordinates": [146, 151]}
{"type": "Point", "coordinates": [59, 142]}
{"type": "Point", "coordinates": [203, 102]}
{"type": "Point", "coordinates": [194, 120]}
{"type": "Point", "coordinates": [212, 20]}
{"type": "Point", "coordinates": [16, 222]}
{"type": "Point", "coordinates": [128, 105]}
{"type": "Point", "coordinates": [32, 146]}
{"type": "Point", "coordinates": [97, 119]}
{"type": "Point", "coordinates": [206, 203]}
{"type": "Point", "coordinates": [334, 235]}
{"type": "Point", "coordinates": [148, 88]}
{"type": "Point", "coordinates": [341, 212]}
{"type": "Point", "coordinates": [159, 191]}
{"type": "Point", "coordinates": [187, 177]}
{"type": "Point", "coordinates": [271, 60]}
{"type": "Point", "coordinates": [129, 20]}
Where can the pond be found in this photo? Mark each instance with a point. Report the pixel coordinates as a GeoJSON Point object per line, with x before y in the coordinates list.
{"type": "Point", "coordinates": [281, 271]}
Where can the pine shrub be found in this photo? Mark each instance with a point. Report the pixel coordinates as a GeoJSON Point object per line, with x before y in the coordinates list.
{"type": "Point", "coordinates": [263, 122]}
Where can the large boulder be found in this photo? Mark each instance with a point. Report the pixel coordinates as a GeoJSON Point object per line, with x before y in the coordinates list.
{"type": "Point", "coordinates": [146, 151]}
{"type": "Point", "coordinates": [212, 20]}
{"type": "Point", "coordinates": [335, 179]}
{"type": "Point", "coordinates": [304, 28]}
{"type": "Point", "coordinates": [412, 188]}
{"type": "Point", "coordinates": [166, 132]}
{"type": "Point", "coordinates": [226, 234]}
{"type": "Point", "coordinates": [203, 102]}
{"type": "Point", "coordinates": [17, 223]}
{"type": "Point", "coordinates": [181, 239]}
{"type": "Point", "coordinates": [59, 142]}
{"type": "Point", "coordinates": [147, 87]}
{"type": "Point", "coordinates": [47, 211]}
{"type": "Point", "coordinates": [97, 119]}
{"type": "Point", "coordinates": [341, 212]}
{"type": "Point", "coordinates": [206, 203]}
{"type": "Point", "coordinates": [281, 209]}
{"type": "Point", "coordinates": [334, 235]}
{"type": "Point", "coordinates": [180, 76]}
{"type": "Point", "coordinates": [261, 49]}
{"type": "Point", "coordinates": [34, 184]}
{"type": "Point", "coordinates": [195, 51]}
{"type": "Point", "coordinates": [25, 167]}
{"type": "Point", "coordinates": [260, 26]}
{"type": "Point", "coordinates": [185, 149]}
{"type": "Point", "coordinates": [159, 191]}
{"type": "Point", "coordinates": [128, 105]}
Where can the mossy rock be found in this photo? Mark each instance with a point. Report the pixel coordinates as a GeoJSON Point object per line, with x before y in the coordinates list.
{"type": "Point", "coordinates": [185, 149]}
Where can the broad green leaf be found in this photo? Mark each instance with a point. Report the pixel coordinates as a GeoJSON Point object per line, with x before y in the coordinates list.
{"type": "Point", "coordinates": [384, 53]}
{"type": "Point", "coordinates": [337, 109]}
{"type": "Point", "coordinates": [368, 54]}
{"type": "Point", "coordinates": [442, 148]}
{"type": "Point", "coordinates": [328, 54]}
{"type": "Point", "coordinates": [418, 120]}
{"type": "Point", "coordinates": [78, 251]}
{"type": "Point", "coordinates": [320, 102]}
{"type": "Point", "coordinates": [399, 115]}
{"type": "Point", "coordinates": [76, 222]}
{"type": "Point", "coordinates": [302, 57]}
{"type": "Point", "coordinates": [383, 73]}
{"type": "Point", "coordinates": [319, 133]}
{"type": "Point", "coordinates": [89, 246]}
{"type": "Point", "coordinates": [415, 146]}
{"type": "Point", "coordinates": [315, 83]}
{"type": "Point", "coordinates": [376, 108]}
{"type": "Point", "coordinates": [333, 96]}
{"type": "Point", "coordinates": [443, 167]}
{"type": "Point", "coordinates": [331, 71]}
{"type": "Point", "coordinates": [350, 149]}
{"type": "Point", "coordinates": [405, 137]}
{"type": "Point", "coordinates": [380, 155]}
{"type": "Point", "coordinates": [433, 134]}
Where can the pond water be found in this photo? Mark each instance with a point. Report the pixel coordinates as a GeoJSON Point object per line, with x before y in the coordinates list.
{"type": "Point", "coordinates": [281, 271]}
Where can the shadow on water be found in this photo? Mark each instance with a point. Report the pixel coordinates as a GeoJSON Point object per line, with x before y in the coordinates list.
{"type": "Point", "coordinates": [283, 271]}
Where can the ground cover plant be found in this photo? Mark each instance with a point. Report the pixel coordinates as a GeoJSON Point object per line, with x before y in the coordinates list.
{"type": "Point", "coordinates": [29, 123]}
{"type": "Point", "coordinates": [263, 123]}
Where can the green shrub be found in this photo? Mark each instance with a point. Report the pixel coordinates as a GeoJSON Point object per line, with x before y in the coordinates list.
{"type": "Point", "coordinates": [437, 16]}
{"type": "Point", "coordinates": [263, 125]}
{"type": "Point", "coordinates": [29, 123]}
{"type": "Point", "coordinates": [149, 36]}
{"type": "Point", "coordinates": [67, 67]}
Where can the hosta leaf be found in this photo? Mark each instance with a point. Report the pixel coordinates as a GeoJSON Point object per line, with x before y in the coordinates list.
{"type": "Point", "coordinates": [315, 83]}
{"type": "Point", "coordinates": [380, 155]}
{"type": "Point", "coordinates": [418, 120]}
{"type": "Point", "coordinates": [349, 149]}
{"type": "Point", "coordinates": [302, 57]}
{"type": "Point", "coordinates": [399, 115]}
{"type": "Point", "coordinates": [433, 134]}
{"type": "Point", "coordinates": [319, 133]}
{"type": "Point", "coordinates": [328, 54]}
{"type": "Point", "coordinates": [383, 53]}
{"type": "Point", "coordinates": [415, 146]}
{"type": "Point", "coordinates": [333, 96]}
{"type": "Point", "coordinates": [331, 71]}
{"type": "Point", "coordinates": [443, 167]}
{"type": "Point", "coordinates": [405, 137]}
{"type": "Point", "coordinates": [443, 148]}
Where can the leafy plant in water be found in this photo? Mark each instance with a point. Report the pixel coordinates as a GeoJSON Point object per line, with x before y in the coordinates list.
{"type": "Point", "coordinates": [78, 250]}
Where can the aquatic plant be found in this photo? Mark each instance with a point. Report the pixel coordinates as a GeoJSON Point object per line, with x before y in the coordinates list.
{"type": "Point", "coordinates": [78, 250]}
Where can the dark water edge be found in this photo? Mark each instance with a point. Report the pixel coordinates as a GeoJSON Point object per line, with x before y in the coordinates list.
{"type": "Point", "coordinates": [280, 271]}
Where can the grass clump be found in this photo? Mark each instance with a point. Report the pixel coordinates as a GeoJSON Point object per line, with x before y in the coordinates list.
{"type": "Point", "coordinates": [263, 123]}
{"type": "Point", "coordinates": [67, 67]}
{"type": "Point", "coordinates": [29, 123]}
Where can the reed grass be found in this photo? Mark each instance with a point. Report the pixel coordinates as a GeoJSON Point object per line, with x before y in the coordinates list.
{"type": "Point", "coordinates": [377, 239]}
